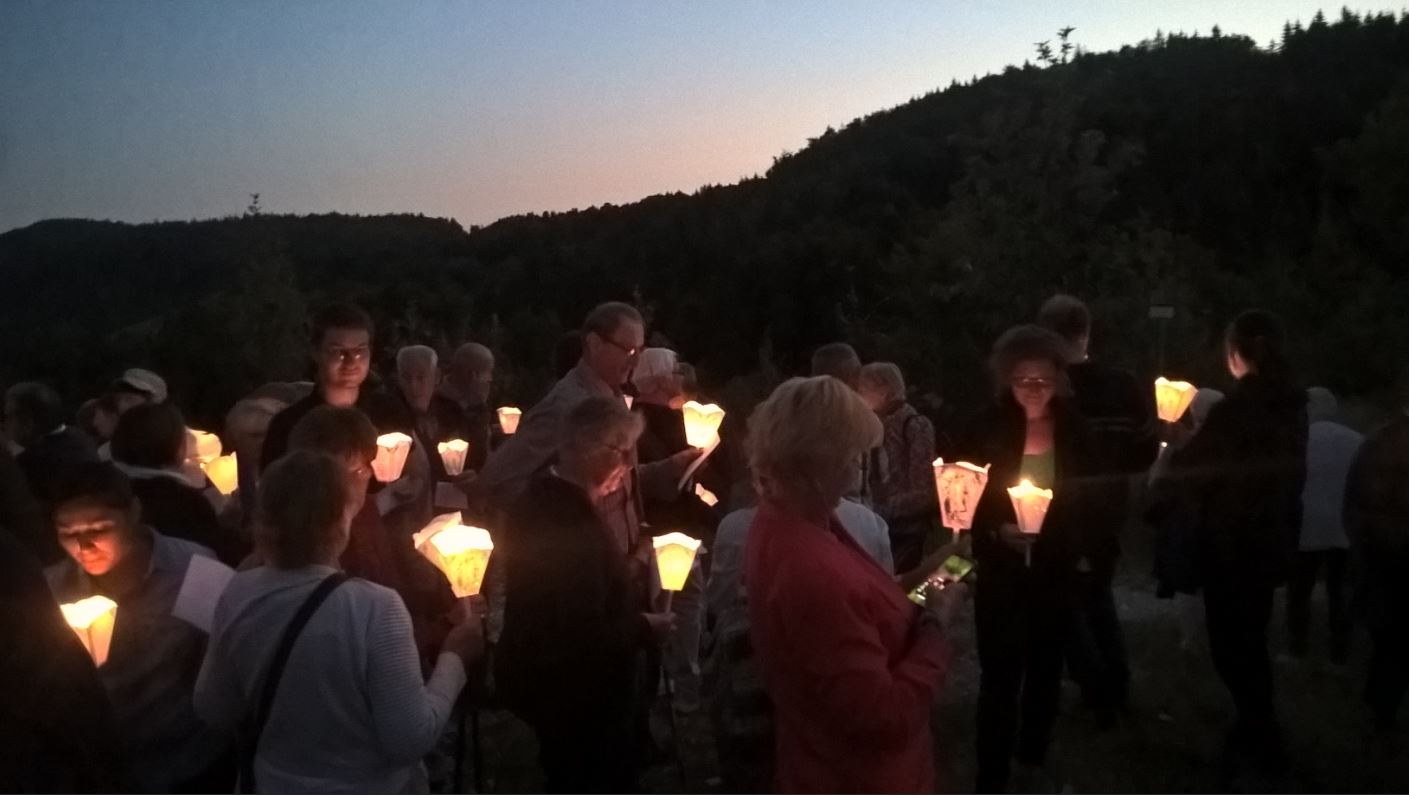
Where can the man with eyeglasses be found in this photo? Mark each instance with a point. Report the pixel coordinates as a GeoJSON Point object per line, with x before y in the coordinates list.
{"type": "Point", "coordinates": [342, 357]}
{"type": "Point", "coordinates": [1122, 419]}
{"type": "Point", "coordinates": [613, 336]}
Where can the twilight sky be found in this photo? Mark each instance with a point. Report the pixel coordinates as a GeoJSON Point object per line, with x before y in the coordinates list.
{"type": "Point", "coordinates": [137, 110]}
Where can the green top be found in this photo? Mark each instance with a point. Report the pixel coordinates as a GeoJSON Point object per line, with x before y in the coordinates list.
{"type": "Point", "coordinates": [1041, 469]}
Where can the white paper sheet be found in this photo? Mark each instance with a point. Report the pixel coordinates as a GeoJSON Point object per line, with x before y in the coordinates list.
{"type": "Point", "coordinates": [694, 465]}
{"type": "Point", "coordinates": [205, 581]}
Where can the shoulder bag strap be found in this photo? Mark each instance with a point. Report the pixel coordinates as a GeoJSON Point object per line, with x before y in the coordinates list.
{"type": "Point", "coordinates": [254, 723]}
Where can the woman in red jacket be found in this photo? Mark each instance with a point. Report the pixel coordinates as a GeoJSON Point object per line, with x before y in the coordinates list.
{"type": "Point", "coordinates": [850, 665]}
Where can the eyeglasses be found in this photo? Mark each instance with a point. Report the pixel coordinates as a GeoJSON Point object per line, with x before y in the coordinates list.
{"type": "Point", "coordinates": [1032, 384]}
{"type": "Point", "coordinates": [621, 452]}
{"type": "Point", "coordinates": [629, 350]}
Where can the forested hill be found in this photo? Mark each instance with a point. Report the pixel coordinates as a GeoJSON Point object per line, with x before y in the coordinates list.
{"type": "Point", "coordinates": [1204, 172]}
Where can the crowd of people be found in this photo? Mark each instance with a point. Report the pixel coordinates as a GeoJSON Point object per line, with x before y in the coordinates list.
{"type": "Point", "coordinates": [290, 638]}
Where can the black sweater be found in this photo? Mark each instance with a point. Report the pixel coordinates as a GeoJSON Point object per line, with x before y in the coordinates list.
{"type": "Point", "coordinates": [1076, 519]}
{"type": "Point", "coordinates": [571, 624]}
{"type": "Point", "coordinates": [1243, 474]}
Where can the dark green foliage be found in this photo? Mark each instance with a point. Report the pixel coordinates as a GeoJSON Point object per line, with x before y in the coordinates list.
{"type": "Point", "coordinates": [1199, 171]}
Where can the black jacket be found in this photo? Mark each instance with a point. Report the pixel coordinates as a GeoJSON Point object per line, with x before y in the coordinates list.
{"type": "Point", "coordinates": [1124, 434]}
{"type": "Point", "coordinates": [1242, 476]}
{"type": "Point", "coordinates": [177, 510]}
{"type": "Point", "coordinates": [444, 421]}
{"type": "Point", "coordinates": [571, 624]}
{"type": "Point", "coordinates": [1076, 515]}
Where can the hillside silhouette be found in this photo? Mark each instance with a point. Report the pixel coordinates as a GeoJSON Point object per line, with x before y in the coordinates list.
{"type": "Point", "coordinates": [1203, 172]}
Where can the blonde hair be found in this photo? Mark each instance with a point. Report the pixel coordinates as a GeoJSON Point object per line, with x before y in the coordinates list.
{"type": "Point", "coordinates": [886, 378]}
{"type": "Point", "coordinates": [808, 434]}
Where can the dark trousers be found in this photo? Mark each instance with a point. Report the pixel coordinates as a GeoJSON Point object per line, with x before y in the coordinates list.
{"type": "Point", "coordinates": [1306, 569]}
{"type": "Point", "coordinates": [1238, 613]}
{"type": "Point", "coordinates": [1021, 633]}
{"type": "Point", "coordinates": [588, 752]}
{"type": "Point", "coordinates": [1095, 650]}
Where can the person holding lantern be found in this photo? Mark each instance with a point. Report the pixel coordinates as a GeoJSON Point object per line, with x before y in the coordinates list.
{"type": "Point", "coordinates": [56, 723]}
{"type": "Point", "coordinates": [372, 552]}
{"type": "Point", "coordinates": [467, 383]}
{"type": "Point", "coordinates": [1243, 472]}
{"type": "Point", "coordinates": [149, 446]}
{"type": "Point", "coordinates": [850, 664]}
{"type": "Point", "coordinates": [413, 407]}
{"type": "Point", "coordinates": [573, 626]}
{"type": "Point", "coordinates": [1034, 436]}
{"type": "Point", "coordinates": [1124, 428]}
{"type": "Point", "coordinates": [320, 671]}
{"type": "Point", "coordinates": [153, 656]}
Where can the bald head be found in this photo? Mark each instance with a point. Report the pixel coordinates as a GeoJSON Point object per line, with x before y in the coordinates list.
{"type": "Point", "coordinates": [471, 372]}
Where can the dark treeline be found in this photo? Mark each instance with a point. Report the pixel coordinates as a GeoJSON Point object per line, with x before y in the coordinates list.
{"type": "Point", "coordinates": [1204, 172]}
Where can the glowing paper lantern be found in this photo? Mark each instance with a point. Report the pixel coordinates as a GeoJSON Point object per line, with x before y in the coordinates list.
{"type": "Point", "coordinates": [675, 554]}
{"type": "Point", "coordinates": [452, 454]}
{"type": "Point", "coordinates": [461, 551]}
{"type": "Point", "coordinates": [392, 449]}
{"type": "Point", "coordinates": [1172, 398]}
{"type": "Point", "coordinates": [702, 423]}
{"type": "Point", "coordinates": [959, 486]}
{"type": "Point", "coordinates": [1030, 504]}
{"type": "Point", "coordinates": [202, 447]}
{"type": "Point", "coordinates": [91, 620]}
{"type": "Point", "coordinates": [706, 496]}
{"type": "Point", "coordinates": [509, 419]}
{"type": "Point", "coordinates": [224, 473]}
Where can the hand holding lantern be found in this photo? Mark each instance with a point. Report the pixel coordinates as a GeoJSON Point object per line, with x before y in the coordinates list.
{"type": "Point", "coordinates": [509, 419]}
{"type": "Point", "coordinates": [460, 551]}
{"type": "Point", "coordinates": [702, 423]}
{"type": "Point", "coordinates": [1172, 398]}
{"type": "Point", "coordinates": [959, 485]}
{"type": "Point", "coordinates": [1030, 504]}
{"type": "Point", "coordinates": [392, 450]}
{"type": "Point", "coordinates": [92, 620]}
{"type": "Point", "coordinates": [224, 473]}
{"type": "Point", "coordinates": [202, 447]}
{"type": "Point", "coordinates": [452, 455]}
{"type": "Point", "coordinates": [675, 554]}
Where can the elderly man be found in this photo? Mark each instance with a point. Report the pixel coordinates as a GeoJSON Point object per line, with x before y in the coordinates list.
{"type": "Point", "coordinates": [156, 647]}
{"type": "Point", "coordinates": [467, 382]}
{"type": "Point", "coordinates": [414, 408]}
{"type": "Point", "coordinates": [612, 338]}
{"type": "Point", "coordinates": [341, 350]}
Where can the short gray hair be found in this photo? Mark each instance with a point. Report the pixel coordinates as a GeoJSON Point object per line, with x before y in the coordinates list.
{"type": "Point", "coordinates": [886, 378]}
{"type": "Point", "coordinates": [413, 355]}
{"type": "Point", "coordinates": [596, 418]}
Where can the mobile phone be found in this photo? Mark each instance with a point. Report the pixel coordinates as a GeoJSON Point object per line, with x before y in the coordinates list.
{"type": "Point", "coordinates": [954, 569]}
